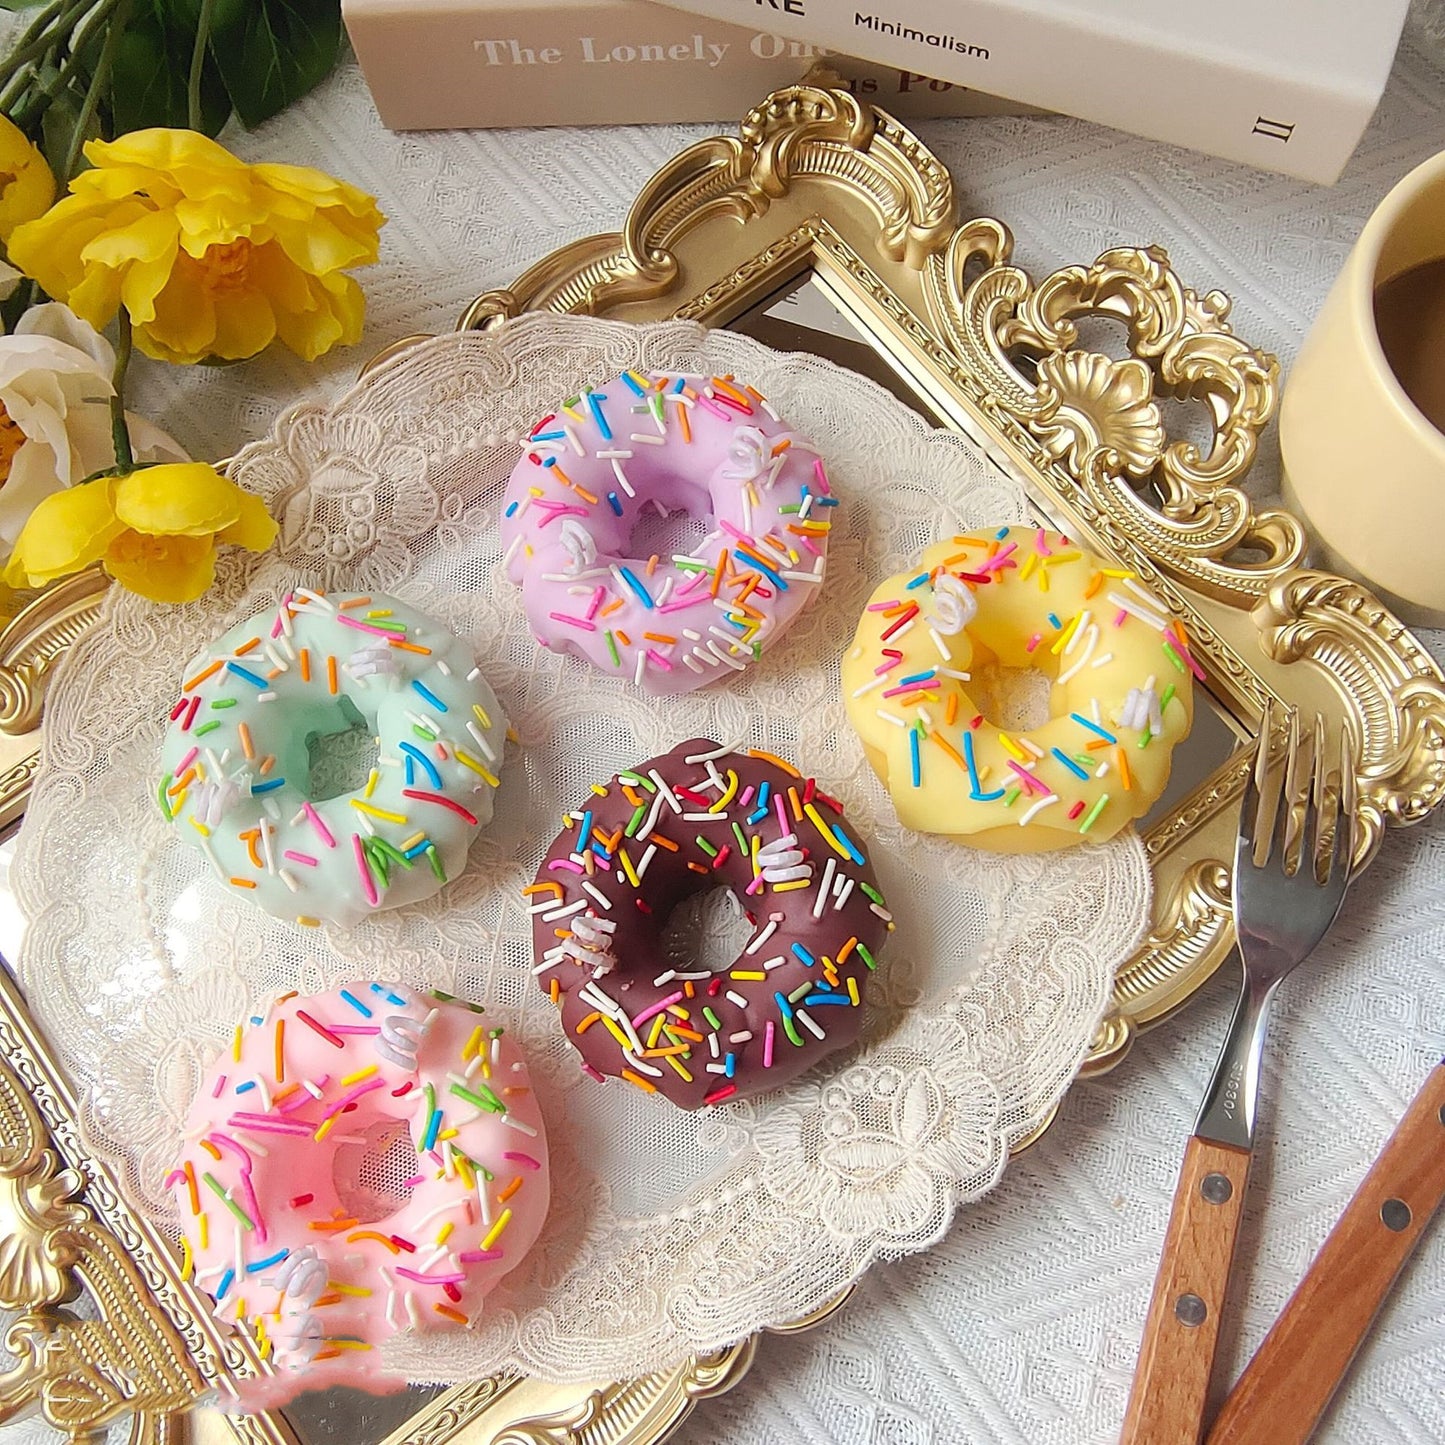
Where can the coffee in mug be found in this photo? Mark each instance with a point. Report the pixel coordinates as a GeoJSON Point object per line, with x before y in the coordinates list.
{"type": "Point", "coordinates": [1362, 424]}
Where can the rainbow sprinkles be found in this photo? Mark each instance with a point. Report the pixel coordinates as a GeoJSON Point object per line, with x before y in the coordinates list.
{"type": "Point", "coordinates": [363, 1161]}
{"type": "Point", "coordinates": [236, 764]}
{"type": "Point", "coordinates": [711, 447]}
{"type": "Point", "coordinates": [699, 817]}
{"type": "Point", "coordinates": [1121, 670]}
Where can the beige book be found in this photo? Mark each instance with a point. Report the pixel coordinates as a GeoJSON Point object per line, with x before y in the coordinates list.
{"type": "Point", "coordinates": [447, 64]}
{"type": "Point", "coordinates": [1285, 84]}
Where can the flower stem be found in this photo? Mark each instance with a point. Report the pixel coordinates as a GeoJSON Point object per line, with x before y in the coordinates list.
{"type": "Point", "coordinates": [98, 82]}
{"type": "Point", "coordinates": [28, 90]}
{"type": "Point", "coordinates": [120, 432]}
{"type": "Point", "coordinates": [198, 63]}
{"type": "Point", "coordinates": [54, 22]}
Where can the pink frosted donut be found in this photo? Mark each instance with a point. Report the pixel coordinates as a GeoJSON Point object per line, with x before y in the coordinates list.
{"type": "Point", "coordinates": [710, 447]}
{"type": "Point", "coordinates": [358, 1162]}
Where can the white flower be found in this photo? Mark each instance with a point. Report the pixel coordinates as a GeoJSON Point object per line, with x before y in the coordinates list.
{"type": "Point", "coordinates": [55, 428]}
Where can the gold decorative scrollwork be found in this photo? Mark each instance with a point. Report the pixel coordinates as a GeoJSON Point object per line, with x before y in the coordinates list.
{"type": "Point", "coordinates": [1101, 415]}
{"type": "Point", "coordinates": [33, 641]}
{"type": "Point", "coordinates": [1375, 663]}
{"type": "Point", "coordinates": [80, 1373]}
{"type": "Point", "coordinates": [560, 1427]}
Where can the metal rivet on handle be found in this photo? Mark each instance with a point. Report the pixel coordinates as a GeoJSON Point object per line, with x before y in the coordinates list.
{"type": "Point", "coordinates": [1395, 1214]}
{"type": "Point", "coordinates": [1190, 1310]}
{"type": "Point", "coordinates": [1215, 1189]}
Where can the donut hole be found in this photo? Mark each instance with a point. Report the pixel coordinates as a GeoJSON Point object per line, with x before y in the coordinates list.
{"type": "Point", "coordinates": [665, 532]}
{"type": "Point", "coordinates": [706, 932]}
{"type": "Point", "coordinates": [370, 1177]}
{"type": "Point", "coordinates": [341, 758]}
{"type": "Point", "coordinates": [1013, 698]}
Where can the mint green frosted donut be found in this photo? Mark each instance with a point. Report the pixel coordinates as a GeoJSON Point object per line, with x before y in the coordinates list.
{"type": "Point", "coordinates": [236, 767]}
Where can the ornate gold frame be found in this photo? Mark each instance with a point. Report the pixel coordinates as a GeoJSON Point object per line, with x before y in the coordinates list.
{"type": "Point", "coordinates": [814, 180]}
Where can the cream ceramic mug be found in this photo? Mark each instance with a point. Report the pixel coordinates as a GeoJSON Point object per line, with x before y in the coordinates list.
{"type": "Point", "coordinates": [1362, 425]}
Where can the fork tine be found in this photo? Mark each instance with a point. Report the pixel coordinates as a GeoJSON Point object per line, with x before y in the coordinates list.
{"type": "Point", "coordinates": [1317, 830]}
{"type": "Point", "coordinates": [1251, 810]}
{"type": "Point", "coordinates": [1344, 850]}
{"type": "Point", "coordinates": [1294, 791]}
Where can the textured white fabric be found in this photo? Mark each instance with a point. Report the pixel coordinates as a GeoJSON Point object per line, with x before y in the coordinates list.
{"type": "Point", "coordinates": [1021, 1326]}
{"type": "Point", "coordinates": [676, 1232]}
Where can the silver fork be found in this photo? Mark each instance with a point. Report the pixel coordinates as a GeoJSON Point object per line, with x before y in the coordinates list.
{"type": "Point", "coordinates": [1291, 867]}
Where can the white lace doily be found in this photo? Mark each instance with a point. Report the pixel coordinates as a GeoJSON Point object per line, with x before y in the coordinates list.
{"type": "Point", "coordinates": [676, 1232]}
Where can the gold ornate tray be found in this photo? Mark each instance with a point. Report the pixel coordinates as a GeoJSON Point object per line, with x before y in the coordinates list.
{"type": "Point", "coordinates": [824, 225]}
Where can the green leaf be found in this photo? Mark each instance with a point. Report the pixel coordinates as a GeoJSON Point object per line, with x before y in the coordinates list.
{"type": "Point", "coordinates": [152, 65]}
{"type": "Point", "coordinates": [57, 126]}
{"type": "Point", "coordinates": [272, 52]}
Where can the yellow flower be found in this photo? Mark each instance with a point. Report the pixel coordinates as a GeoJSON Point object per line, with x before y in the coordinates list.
{"type": "Point", "coordinates": [26, 185]}
{"type": "Point", "coordinates": [155, 530]}
{"type": "Point", "coordinates": [211, 257]}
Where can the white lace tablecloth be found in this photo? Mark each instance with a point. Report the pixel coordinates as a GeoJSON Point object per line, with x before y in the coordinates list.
{"type": "Point", "coordinates": [1023, 1323]}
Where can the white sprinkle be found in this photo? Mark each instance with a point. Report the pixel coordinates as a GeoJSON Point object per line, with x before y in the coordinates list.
{"type": "Point", "coordinates": [1081, 627]}
{"type": "Point", "coordinates": [869, 686]}
{"type": "Point", "coordinates": [1089, 643]}
{"type": "Point", "coordinates": [665, 792]}
{"type": "Point", "coordinates": [1135, 609]}
{"type": "Point", "coordinates": [808, 1023]}
{"type": "Point", "coordinates": [647, 440]}
{"type": "Point", "coordinates": [822, 898]}
{"type": "Point", "coordinates": [761, 939]}
{"type": "Point", "coordinates": [597, 893]}
{"type": "Point", "coordinates": [723, 657]}
{"type": "Point", "coordinates": [1042, 803]}
{"type": "Point", "coordinates": [891, 718]}
{"type": "Point", "coordinates": [694, 758]}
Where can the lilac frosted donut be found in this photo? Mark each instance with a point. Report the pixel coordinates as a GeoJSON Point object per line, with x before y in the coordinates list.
{"type": "Point", "coordinates": [710, 447]}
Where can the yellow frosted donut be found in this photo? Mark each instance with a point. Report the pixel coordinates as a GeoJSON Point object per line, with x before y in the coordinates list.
{"type": "Point", "coordinates": [1019, 597]}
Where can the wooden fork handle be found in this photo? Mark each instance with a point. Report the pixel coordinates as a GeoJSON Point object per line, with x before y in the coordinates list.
{"type": "Point", "coordinates": [1176, 1359]}
{"type": "Point", "coordinates": [1286, 1386]}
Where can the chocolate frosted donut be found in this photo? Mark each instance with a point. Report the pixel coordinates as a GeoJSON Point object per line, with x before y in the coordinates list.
{"type": "Point", "coordinates": [696, 818]}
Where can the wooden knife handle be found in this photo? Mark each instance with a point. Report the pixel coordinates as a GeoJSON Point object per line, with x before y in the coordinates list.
{"type": "Point", "coordinates": [1171, 1380]}
{"type": "Point", "coordinates": [1286, 1386]}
